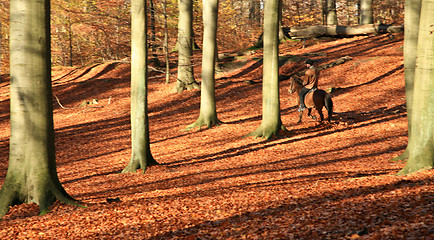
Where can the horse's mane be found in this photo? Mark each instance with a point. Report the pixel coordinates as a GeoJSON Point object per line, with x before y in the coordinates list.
{"type": "Point", "coordinates": [297, 79]}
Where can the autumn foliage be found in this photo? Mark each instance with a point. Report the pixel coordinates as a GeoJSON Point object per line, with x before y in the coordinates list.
{"type": "Point", "coordinates": [315, 181]}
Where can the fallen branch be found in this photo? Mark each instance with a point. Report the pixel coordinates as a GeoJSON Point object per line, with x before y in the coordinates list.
{"type": "Point", "coordinates": [321, 67]}
{"type": "Point", "coordinates": [85, 105]}
{"type": "Point", "coordinates": [321, 30]}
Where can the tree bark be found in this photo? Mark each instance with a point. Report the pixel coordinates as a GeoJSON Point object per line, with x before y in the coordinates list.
{"type": "Point", "coordinates": [411, 34]}
{"type": "Point", "coordinates": [331, 16]}
{"type": "Point", "coordinates": [271, 120]}
{"type": "Point", "coordinates": [31, 175]}
{"type": "Point", "coordinates": [185, 51]}
{"type": "Point", "coordinates": [141, 156]}
{"type": "Point", "coordinates": [421, 142]}
{"type": "Point", "coordinates": [166, 42]}
{"type": "Point", "coordinates": [255, 12]}
{"type": "Point", "coordinates": [366, 13]}
{"type": "Point", "coordinates": [208, 113]}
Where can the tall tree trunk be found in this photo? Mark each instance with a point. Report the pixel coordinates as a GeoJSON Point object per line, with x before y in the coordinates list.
{"type": "Point", "coordinates": [153, 33]}
{"type": "Point", "coordinates": [271, 121]}
{"type": "Point", "coordinates": [366, 12]}
{"type": "Point", "coordinates": [141, 156]}
{"type": "Point", "coordinates": [411, 34]}
{"type": "Point", "coordinates": [255, 12]}
{"type": "Point", "coordinates": [31, 175]}
{"type": "Point", "coordinates": [331, 16]}
{"type": "Point", "coordinates": [421, 142]}
{"type": "Point", "coordinates": [208, 113]}
{"type": "Point", "coordinates": [185, 51]}
{"type": "Point", "coordinates": [166, 42]}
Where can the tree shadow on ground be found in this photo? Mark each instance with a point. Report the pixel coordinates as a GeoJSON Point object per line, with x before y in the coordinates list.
{"type": "Point", "coordinates": [292, 220]}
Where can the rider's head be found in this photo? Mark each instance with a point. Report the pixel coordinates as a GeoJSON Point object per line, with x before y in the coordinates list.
{"type": "Point", "coordinates": [309, 62]}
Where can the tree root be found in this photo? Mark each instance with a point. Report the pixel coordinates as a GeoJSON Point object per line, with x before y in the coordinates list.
{"type": "Point", "coordinates": [202, 121]}
{"type": "Point", "coordinates": [136, 163]}
{"type": "Point", "coordinates": [401, 158]}
{"type": "Point", "coordinates": [266, 132]}
{"type": "Point", "coordinates": [9, 196]}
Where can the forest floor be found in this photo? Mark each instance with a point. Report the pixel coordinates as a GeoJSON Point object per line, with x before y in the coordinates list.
{"type": "Point", "coordinates": [314, 181]}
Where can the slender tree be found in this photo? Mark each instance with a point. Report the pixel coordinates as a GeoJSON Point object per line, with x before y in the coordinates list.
{"type": "Point", "coordinates": [185, 47]}
{"type": "Point", "coordinates": [141, 156]}
{"type": "Point", "coordinates": [421, 141]}
{"type": "Point", "coordinates": [271, 120]}
{"type": "Point", "coordinates": [330, 14]}
{"type": "Point", "coordinates": [166, 42]}
{"type": "Point", "coordinates": [208, 113]}
{"type": "Point", "coordinates": [366, 13]}
{"type": "Point", "coordinates": [31, 175]}
{"type": "Point", "coordinates": [411, 34]}
{"type": "Point", "coordinates": [255, 12]}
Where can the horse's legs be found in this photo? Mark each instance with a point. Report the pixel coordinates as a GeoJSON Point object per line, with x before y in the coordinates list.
{"type": "Point", "coordinates": [321, 116]}
{"type": "Point", "coordinates": [300, 114]}
{"type": "Point", "coordinates": [309, 113]}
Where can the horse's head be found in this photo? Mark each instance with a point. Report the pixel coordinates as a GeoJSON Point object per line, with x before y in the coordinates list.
{"type": "Point", "coordinates": [295, 84]}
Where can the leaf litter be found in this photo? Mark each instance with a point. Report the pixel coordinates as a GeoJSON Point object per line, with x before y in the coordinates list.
{"type": "Point", "coordinates": [314, 181]}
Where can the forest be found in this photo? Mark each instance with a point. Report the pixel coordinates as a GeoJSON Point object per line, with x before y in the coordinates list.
{"type": "Point", "coordinates": [103, 27]}
{"type": "Point", "coordinates": [168, 119]}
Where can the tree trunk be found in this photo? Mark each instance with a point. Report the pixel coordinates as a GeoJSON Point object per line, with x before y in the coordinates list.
{"type": "Point", "coordinates": [153, 33]}
{"type": "Point", "coordinates": [366, 13]}
{"type": "Point", "coordinates": [331, 16]}
{"type": "Point", "coordinates": [271, 121]}
{"type": "Point", "coordinates": [141, 156]}
{"type": "Point", "coordinates": [255, 12]}
{"type": "Point", "coordinates": [31, 175]}
{"type": "Point", "coordinates": [208, 113]}
{"type": "Point", "coordinates": [166, 42]}
{"type": "Point", "coordinates": [421, 142]}
{"type": "Point", "coordinates": [318, 31]}
{"type": "Point", "coordinates": [411, 34]}
{"type": "Point", "coordinates": [185, 51]}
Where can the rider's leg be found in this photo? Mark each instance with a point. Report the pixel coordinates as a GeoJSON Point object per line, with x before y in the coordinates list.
{"type": "Point", "coordinates": [303, 92]}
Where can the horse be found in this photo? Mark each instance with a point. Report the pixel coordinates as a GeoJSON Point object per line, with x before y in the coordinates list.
{"type": "Point", "coordinates": [318, 99]}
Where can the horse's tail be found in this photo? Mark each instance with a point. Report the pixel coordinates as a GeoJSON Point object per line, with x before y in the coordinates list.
{"type": "Point", "coordinates": [329, 105]}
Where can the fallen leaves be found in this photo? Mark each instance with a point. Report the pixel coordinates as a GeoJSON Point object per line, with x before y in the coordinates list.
{"type": "Point", "coordinates": [316, 181]}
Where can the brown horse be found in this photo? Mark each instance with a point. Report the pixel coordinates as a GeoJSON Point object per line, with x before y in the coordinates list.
{"type": "Point", "coordinates": [318, 99]}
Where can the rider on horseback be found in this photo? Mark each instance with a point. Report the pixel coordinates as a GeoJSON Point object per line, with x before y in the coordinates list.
{"type": "Point", "coordinates": [310, 82]}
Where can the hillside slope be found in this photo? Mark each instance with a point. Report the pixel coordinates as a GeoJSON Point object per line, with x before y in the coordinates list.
{"type": "Point", "coordinates": [315, 181]}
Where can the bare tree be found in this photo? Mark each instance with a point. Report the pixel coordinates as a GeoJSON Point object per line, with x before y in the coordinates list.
{"type": "Point", "coordinates": [271, 120]}
{"type": "Point", "coordinates": [421, 140]}
{"type": "Point", "coordinates": [141, 156]}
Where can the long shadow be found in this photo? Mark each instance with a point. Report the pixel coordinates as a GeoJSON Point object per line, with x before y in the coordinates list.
{"type": "Point", "coordinates": [216, 175]}
{"type": "Point", "coordinates": [246, 70]}
{"type": "Point", "coordinates": [380, 115]}
{"type": "Point", "coordinates": [340, 91]}
{"type": "Point", "coordinates": [361, 219]}
{"type": "Point", "coordinates": [348, 48]}
{"type": "Point", "coordinates": [90, 176]}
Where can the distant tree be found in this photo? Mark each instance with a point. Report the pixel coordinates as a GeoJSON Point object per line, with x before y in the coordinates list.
{"type": "Point", "coordinates": [31, 175]}
{"type": "Point", "coordinates": [421, 140]}
{"type": "Point", "coordinates": [366, 13]}
{"type": "Point", "coordinates": [208, 113]}
{"type": "Point", "coordinates": [166, 42]}
{"type": "Point", "coordinates": [271, 120]}
{"type": "Point", "coordinates": [141, 156]}
{"type": "Point", "coordinates": [185, 47]}
{"type": "Point", "coordinates": [330, 12]}
{"type": "Point", "coordinates": [255, 12]}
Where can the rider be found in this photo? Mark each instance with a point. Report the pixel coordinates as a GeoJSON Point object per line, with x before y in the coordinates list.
{"type": "Point", "coordinates": [310, 82]}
